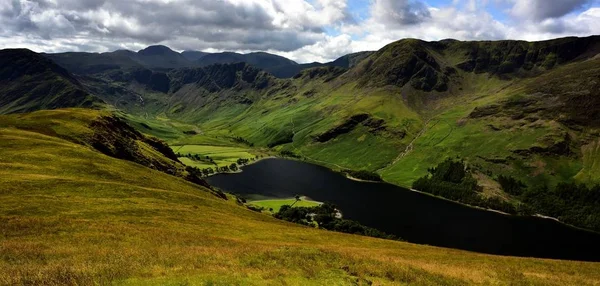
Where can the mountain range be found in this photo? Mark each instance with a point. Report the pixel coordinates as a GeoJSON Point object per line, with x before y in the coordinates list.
{"type": "Point", "coordinates": [162, 58]}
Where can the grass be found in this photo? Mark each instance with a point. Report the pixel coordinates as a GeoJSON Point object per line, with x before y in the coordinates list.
{"type": "Point", "coordinates": [591, 163]}
{"type": "Point", "coordinates": [73, 216]}
{"type": "Point", "coordinates": [276, 204]}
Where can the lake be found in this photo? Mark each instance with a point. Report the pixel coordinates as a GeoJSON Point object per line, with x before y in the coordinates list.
{"type": "Point", "coordinates": [415, 217]}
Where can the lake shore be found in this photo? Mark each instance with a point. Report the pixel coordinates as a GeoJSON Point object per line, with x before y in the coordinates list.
{"type": "Point", "coordinates": [239, 170]}
{"type": "Point", "coordinates": [347, 176]}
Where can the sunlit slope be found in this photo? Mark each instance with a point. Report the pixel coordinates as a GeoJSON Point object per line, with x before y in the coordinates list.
{"type": "Point", "coordinates": [541, 130]}
{"type": "Point", "coordinates": [71, 215]}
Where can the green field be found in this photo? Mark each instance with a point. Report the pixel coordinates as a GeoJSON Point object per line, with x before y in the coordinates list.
{"type": "Point", "coordinates": [222, 156]}
{"type": "Point", "coordinates": [277, 204]}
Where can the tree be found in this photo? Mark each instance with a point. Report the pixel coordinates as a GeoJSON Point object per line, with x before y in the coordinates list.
{"type": "Point", "coordinates": [511, 185]}
{"type": "Point", "coordinates": [297, 197]}
{"type": "Point", "coordinates": [233, 167]}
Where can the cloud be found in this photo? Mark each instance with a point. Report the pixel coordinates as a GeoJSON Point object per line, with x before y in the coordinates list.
{"type": "Point", "coordinates": [539, 10]}
{"type": "Point", "coordinates": [323, 51]}
{"type": "Point", "coordinates": [399, 13]}
{"type": "Point", "coordinates": [440, 23]}
{"type": "Point", "coordinates": [584, 24]}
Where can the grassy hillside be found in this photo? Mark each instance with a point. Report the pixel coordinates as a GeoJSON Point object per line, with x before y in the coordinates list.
{"type": "Point", "coordinates": [71, 215]}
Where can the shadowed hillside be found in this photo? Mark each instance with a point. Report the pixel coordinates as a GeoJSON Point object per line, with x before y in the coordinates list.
{"type": "Point", "coordinates": [29, 81]}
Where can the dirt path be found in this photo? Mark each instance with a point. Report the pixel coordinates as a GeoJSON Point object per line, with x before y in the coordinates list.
{"type": "Point", "coordinates": [408, 148]}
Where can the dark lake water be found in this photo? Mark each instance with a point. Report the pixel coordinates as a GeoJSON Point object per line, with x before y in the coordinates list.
{"type": "Point", "coordinates": [415, 217]}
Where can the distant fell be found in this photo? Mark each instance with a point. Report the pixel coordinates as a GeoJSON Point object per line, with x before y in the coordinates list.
{"type": "Point", "coordinates": [30, 81]}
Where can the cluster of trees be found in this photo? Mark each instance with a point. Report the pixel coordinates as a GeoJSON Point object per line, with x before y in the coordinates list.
{"type": "Point", "coordinates": [197, 157]}
{"type": "Point", "coordinates": [200, 172]}
{"type": "Point", "coordinates": [571, 203]}
{"type": "Point", "coordinates": [243, 141]}
{"type": "Point", "coordinates": [205, 172]}
{"type": "Point", "coordinates": [209, 171]}
{"type": "Point", "coordinates": [575, 204]}
{"type": "Point", "coordinates": [452, 179]}
{"type": "Point", "coordinates": [363, 175]}
{"type": "Point", "coordinates": [286, 153]}
{"type": "Point", "coordinates": [326, 216]}
{"type": "Point", "coordinates": [511, 185]}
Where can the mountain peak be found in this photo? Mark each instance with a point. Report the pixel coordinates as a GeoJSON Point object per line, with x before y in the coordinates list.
{"type": "Point", "coordinates": [156, 50]}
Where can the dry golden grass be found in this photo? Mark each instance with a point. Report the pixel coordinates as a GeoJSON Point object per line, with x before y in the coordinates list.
{"type": "Point", "coordinates": [72, 216]}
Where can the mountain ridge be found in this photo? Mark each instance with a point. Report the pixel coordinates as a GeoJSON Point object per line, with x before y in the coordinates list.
{"type": "Point", "coordinates": [163, 58]}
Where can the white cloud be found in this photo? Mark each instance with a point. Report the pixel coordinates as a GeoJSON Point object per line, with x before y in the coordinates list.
{"type": "Point", "coordinates": [399, 13]}
{"type": "Point", "coordinates": [584, 24]}
{"type": "Point", "coordinates": [322, 51]}
{"type": "Point", "coordinates": [442, 23]}
{"type": "Point", "coordinates": [539, 10]}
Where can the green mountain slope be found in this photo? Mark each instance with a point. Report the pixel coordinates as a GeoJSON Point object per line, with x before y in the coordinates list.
{"type": "Point", "coordinates": [29, 81]}
{"type": "Point", "coordinates": [71, 215]}
{"type": "Point", "coordinates": [508, 107]}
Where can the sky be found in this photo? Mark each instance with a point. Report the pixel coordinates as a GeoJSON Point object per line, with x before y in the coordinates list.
{"type": "Point", "coordinates": [302, 30]}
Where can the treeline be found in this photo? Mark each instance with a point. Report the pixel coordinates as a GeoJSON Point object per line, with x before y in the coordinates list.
{"type": "Point", "coordinates": [571, 203]}
{"type": "Point", "coordinates": [363, 175]}
{"type": "Point", "coordinates": [243, 141]}
{"type": "Point", "coordinates": [205, 172]}
{"type": "Point", "coordinates": [286, 153]}
{"type": "Point", "coordinates": [325, 216]}
{"type": "Point", "coordinates": [197, 157]}
{"type": "Point", "coordinates": [200, 172]}
{"type": "Point", "coordinates": [452, 179]}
